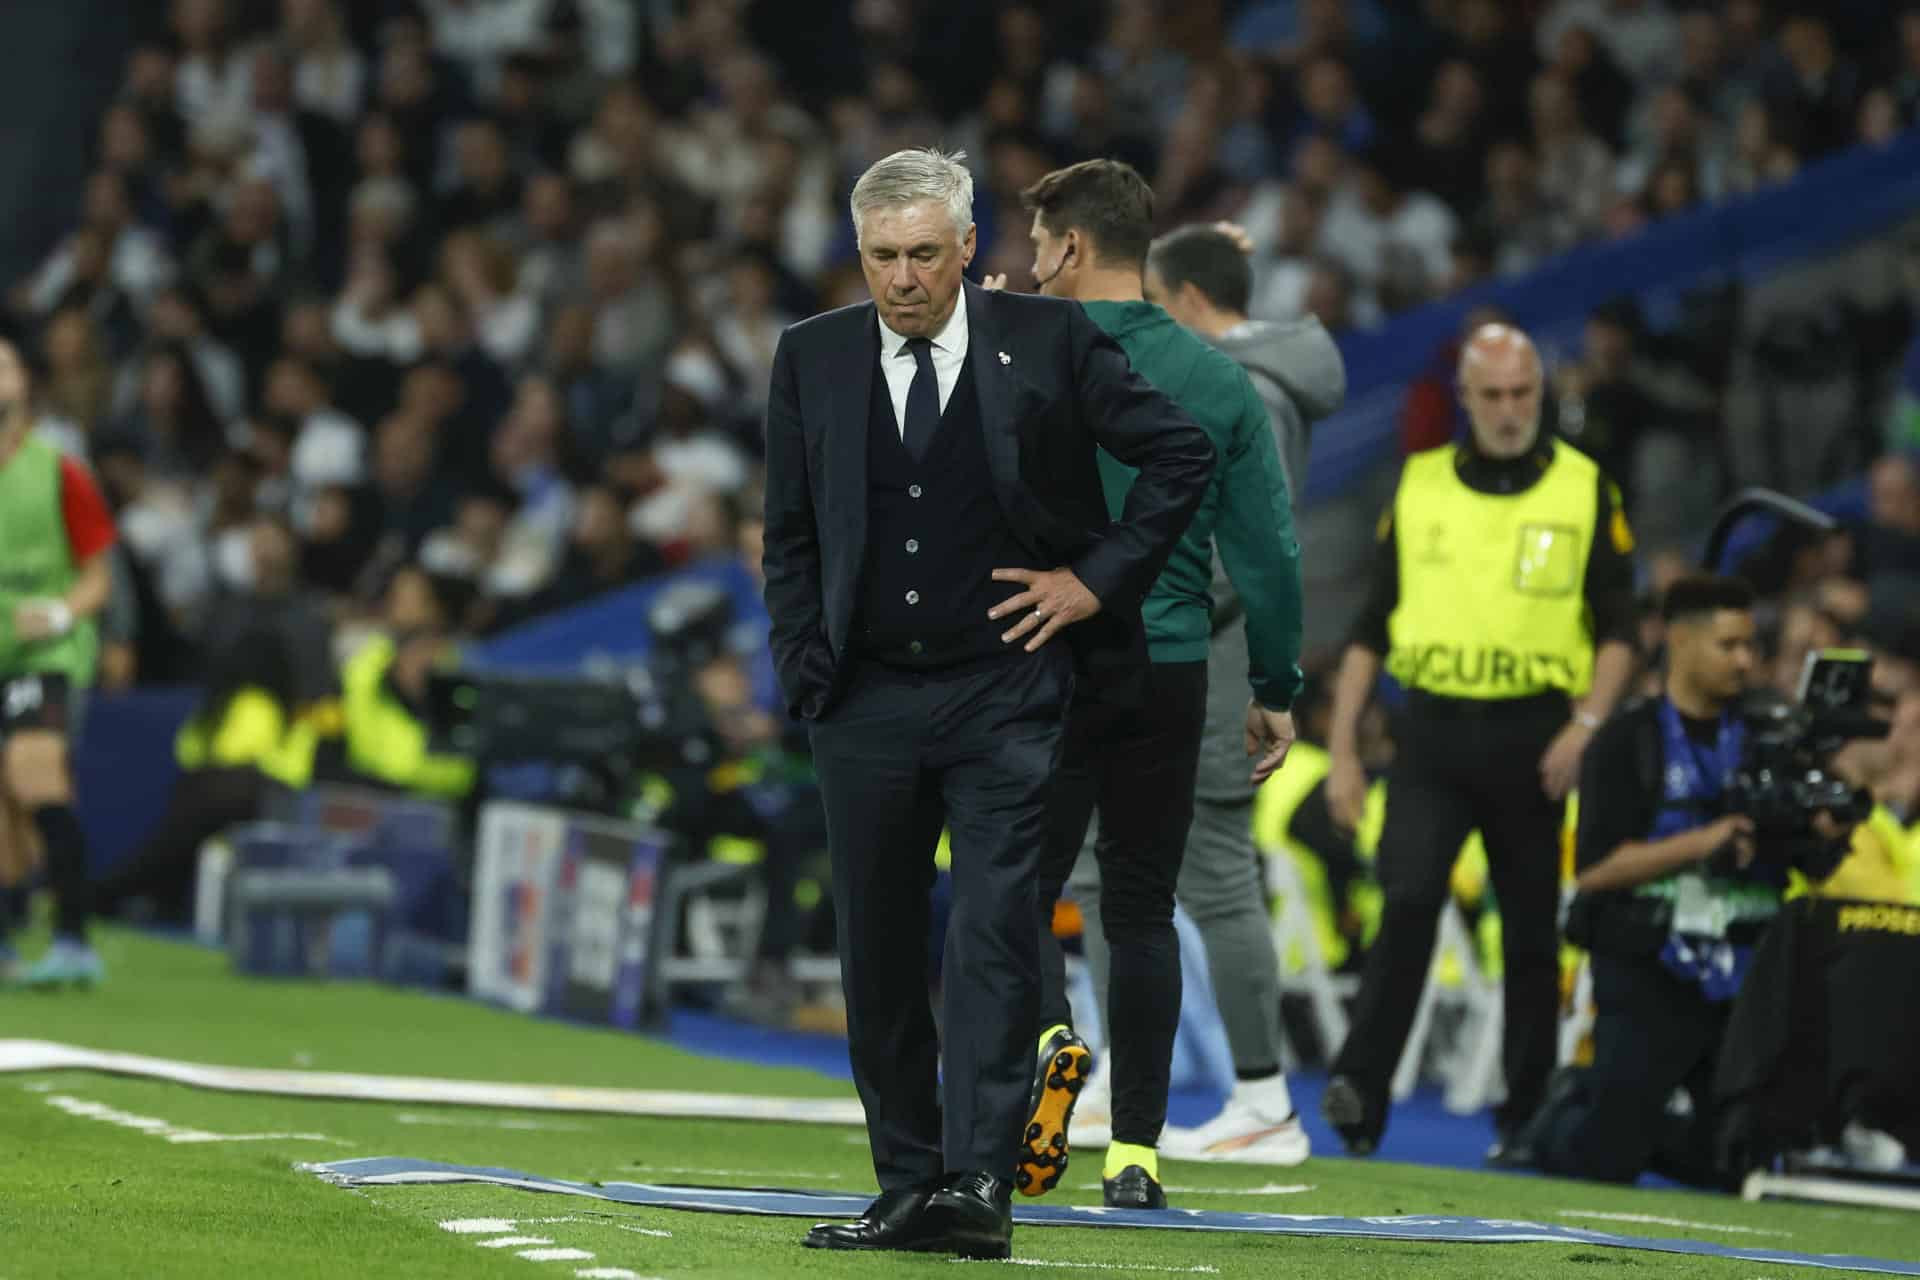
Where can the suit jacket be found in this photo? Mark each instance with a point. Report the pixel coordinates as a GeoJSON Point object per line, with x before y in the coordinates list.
{"type": "Point", "coordinates": [1062, 388]}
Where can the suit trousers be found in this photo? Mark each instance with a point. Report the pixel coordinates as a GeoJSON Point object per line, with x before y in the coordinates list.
{"type": "Point", "coordinates": [1136, 767]}
{"type": "Point", "coordinates": [1220, 882]}
{"type": "Point", "coordinates": [901, 755]}
{"type": "Point", "coordinates": [1460, 765]}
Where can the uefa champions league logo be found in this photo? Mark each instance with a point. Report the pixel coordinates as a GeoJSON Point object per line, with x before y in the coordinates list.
{"type": "Point", "coordinates": [1677, 780]}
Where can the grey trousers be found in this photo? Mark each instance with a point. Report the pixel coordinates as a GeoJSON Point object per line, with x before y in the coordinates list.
{"type": "Point", "coordinates": [1220, 884]}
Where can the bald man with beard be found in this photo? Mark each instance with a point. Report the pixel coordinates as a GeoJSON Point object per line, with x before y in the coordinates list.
{"type": "Point", "coordinates": [1502, 602]}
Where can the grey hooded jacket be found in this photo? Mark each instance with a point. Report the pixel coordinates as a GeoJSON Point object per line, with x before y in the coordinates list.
{"type": "Point", "coordinates": [1297, 370]}
{"type": "Point", "coordinates": [1299, 374]}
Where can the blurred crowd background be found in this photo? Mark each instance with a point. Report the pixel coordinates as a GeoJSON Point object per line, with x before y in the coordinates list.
{"type": "Point", "coordinates": [374, 311]}
{"type": "Point", "coordinates": [493, 286]}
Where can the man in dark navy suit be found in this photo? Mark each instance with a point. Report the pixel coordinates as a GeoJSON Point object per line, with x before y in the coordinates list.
{"type": "Point", "coordinates": [934, 523]}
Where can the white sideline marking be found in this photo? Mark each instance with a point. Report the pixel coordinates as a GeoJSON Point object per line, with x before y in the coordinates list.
{"type": "Point", "coordinates": [497, 1229]}
{"type": "Point", "coordinates": [454, 1122]}
{"type": "Point", "coordinates": [159, 1128]}
{"type": "Point", "coordinates": [43, 1055]}
{"type": "Point", "coordinates": [1651, 1220]}
{"type": "Point", "coordinates": [598, 1222]}
{"type": "Point", "coordinates": [1201, 1270]}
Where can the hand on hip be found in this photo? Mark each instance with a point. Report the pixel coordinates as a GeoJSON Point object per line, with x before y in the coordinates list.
{"type": "Point", "coordinates": [1054, 598]}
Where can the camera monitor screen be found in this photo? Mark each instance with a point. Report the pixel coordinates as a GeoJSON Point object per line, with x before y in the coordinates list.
{"type": "Point", "coordinates": [1837, 680]}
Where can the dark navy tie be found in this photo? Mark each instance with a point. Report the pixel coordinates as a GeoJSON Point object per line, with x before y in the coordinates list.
{"type": "Point", "coordinates": [923, 400]}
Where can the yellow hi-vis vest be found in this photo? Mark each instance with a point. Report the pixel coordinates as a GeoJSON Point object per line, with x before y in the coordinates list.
{"type": "Point", "coordinates": [386, 741]}
{"type": "Point", "coordinates": [254, 731]}
{"type": "Point", "coordinates": [1492, 601]}
{"type": "Point", "coordinates": [1877, 868]}
{"type": "Point", "coordinates": [246, 733]}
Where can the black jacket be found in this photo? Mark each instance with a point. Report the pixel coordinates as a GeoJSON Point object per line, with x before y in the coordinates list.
{"type": "Point", "coordinates": [1622, 783]}
{"type": "Point", "coordinates": [1062, 388]}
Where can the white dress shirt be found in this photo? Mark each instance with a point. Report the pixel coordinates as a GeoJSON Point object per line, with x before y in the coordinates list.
{"type": "Point", "coordinates": [949, 357]}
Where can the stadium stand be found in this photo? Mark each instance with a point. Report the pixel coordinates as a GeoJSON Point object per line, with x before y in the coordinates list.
{"type": "Point", "coordinates": [454, 283]}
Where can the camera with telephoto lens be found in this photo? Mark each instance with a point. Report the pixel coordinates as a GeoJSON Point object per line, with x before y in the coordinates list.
{"type": "Point", "coordinates": [613, 716]}
{"type": "Point", "coordinates": [1783, 778]}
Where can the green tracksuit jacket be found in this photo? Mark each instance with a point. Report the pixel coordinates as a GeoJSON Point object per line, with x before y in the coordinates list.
{"type": "Point", "coordinates": [1246, 510]}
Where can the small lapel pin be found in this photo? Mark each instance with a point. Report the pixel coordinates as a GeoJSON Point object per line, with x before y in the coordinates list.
{"type": "Point", "coordinates": [1005, 358]}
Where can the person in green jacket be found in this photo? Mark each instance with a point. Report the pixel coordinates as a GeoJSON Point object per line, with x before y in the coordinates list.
{"type": "Point", "coordinates": [55, 578]}
{"type": "Point", "coordinates": [1092, 227]}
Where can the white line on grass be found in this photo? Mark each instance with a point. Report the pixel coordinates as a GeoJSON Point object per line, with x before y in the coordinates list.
{"type": "Point", "coordinates": [456, 1122]}
{"type": "Point", "coordinates": [598, 1222]}
{"type": "Point", "coordinates": [171, 1132]}
{"type": "Point", "coordinates": [1650, 1220]}
{"type": "Point", "coordinates": [1857, 1218]}
{"type": "Point", "coordinates": [499, 1231]}
{"type": "Point", "coordinates": [492, 1227]}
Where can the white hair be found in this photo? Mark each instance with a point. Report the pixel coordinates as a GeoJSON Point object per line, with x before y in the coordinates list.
{"type": "Point", "coordinates": [919, 173]}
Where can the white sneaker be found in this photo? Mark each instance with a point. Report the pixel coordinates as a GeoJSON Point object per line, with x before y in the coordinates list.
{"type": "Point", "coordinates": [1243, 1133]}
{"type": "Point", "coordinates": [1872, 1149]}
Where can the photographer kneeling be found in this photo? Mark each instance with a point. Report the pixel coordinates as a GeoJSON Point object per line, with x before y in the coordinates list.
{"type": "Point", "coordinates": [1673, 892]}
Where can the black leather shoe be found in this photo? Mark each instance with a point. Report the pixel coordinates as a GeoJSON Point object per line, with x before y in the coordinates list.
{"type": "Point", "coordinates": [1062, 1073]}
{"type": "Point", "coordinates": [971, 1216]}
{"type": "Point", "coordinates": [1133, 1188]}
{"type": "Point", "coordinates": [1345, 1108]}
{"type": "Point", "coordinates": [897, 1220]}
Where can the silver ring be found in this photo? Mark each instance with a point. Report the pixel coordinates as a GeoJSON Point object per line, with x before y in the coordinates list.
{"type": "Point", "coordinates": [1040, 612]}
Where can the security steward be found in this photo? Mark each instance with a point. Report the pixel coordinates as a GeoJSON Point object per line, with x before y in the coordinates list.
{"type": "Point", "coordinates": [384, 689]}
{"type": "Point", "coordinates": [1674, 892]}
{"type": "Point", "coordinates": [1503, 604]}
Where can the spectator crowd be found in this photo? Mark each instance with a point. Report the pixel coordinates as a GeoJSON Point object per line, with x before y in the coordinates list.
{"type": "Point", "coordinates": [492, 287]}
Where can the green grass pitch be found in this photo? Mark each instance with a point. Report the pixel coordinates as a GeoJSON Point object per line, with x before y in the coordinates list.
{"type": "Point", "coordinates": [83, 1196]}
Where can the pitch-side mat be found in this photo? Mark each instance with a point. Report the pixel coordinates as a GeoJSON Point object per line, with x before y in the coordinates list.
{"type": "Point", "coordinates": [386, 1171]}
